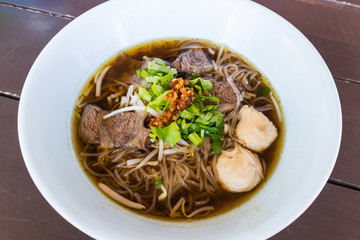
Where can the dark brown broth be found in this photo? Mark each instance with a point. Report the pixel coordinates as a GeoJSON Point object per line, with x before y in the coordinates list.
{"type": "Point", "coordinates": [223, 203]}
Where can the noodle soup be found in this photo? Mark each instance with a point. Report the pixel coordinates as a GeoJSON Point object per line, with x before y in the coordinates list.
{"type": "Point", "coordinates": [178, 129]}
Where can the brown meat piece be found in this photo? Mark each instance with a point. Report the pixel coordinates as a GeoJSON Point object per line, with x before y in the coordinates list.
{"type": "Point", "coordinates": [91, 119]}
{"type": "Point", "coordinates": [193, 60]}
{"type": "Point", "coordinates": [125, 69]}
{"type": "Point", "coordinates": [226, 95]}
{"type": "Point", "coordinates": [127, 130]}
{"type": "Point", "coordinates": [121, 130]}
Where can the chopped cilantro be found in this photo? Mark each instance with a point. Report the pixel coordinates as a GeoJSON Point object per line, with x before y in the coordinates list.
{"type": "Point", "coordinates": [158, 183]}
{"type": "Point", "coordinates": [196, 121]}
{"type": "Point", "coordinates": [262, 91]}
{"type": "Point", "coordinates": [206, 85]}
{"type": "Point", "coordinates": [170, 133]}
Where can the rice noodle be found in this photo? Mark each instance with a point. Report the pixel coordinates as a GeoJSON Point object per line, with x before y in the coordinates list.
{"type": "Point", "coordinates": [109, 100]}
{"type": "Point", "coordinates": [183, 142]}
{"type": "Point", "coordinates": [133, 108]}
{"type": "Point", "coordinates": [277, 108]}
{"type": "Point", "coordinates": [219, 54]}
{"type": "Point", "coordinates": [133, 101]}
{"type": "Point", "coordinates": [208, 208]}
{"type": "Point", "coordinates": [99, 81]}
{"type": "Point", "coordinates": [211, 51]}
{"type": "Point", "coordinates": [118, 156]}
{"type": "Point", "coordinates": [114, 195]}
{"type": "Point", "coordinates": [115, 95]}
{"type": "Point", "coordinates": [147, 158]}
{"type": "Point", "coordinates": [152, 206]}
{"type": "Point", "coordinates": [237, 92]}
{"type": "Point", "coordinates": [122, 102]}
{"type": "Point", "coordinates": [264, 108]}
{"type": "Point", "coordinates": [96, 77]}
{"type": "Point", "coordinates": [129, 94]}
{"type": "Point", "coordinates": [161, 149]}
{"type": "Point", "coordinates": [88, 169]}
{"type": "Point", "coordinates": [177, 206]}
{"type": "Point", "coordinates": [133, 161]}
{"type": "Point", "coordinates": [119, 82]}
{"type": "Point", "coordinates": [87, 92]}
{"type": "Point", "coordinates": [177, 150]}
{"type": "Point", "coordinates": [136, 101]}
{"type": "Point", "coordinates": [78, 104]}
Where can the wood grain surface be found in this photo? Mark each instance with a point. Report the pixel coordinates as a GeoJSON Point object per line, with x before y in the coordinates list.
{"type": "Point", "coordinates": [23, 34]}
{"type": "Point", "coordinates": [348, 162]}
{"type": "Point", "coordinates": [65, 8]}
{"type": "Point", "coordinates": [334, 215]}
{"type": "Point", "coordinates": [24, 213]}
{"type": "Point", "coordinates": [332, 26]}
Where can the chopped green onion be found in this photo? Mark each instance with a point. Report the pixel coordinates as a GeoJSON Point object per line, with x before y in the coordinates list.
{"type": "Point", "coordinates": [157, 89]}
{"type": "Point", "coordinates": [186, 115]}
{"type": "Point", "coordinates": [142, 73]}
{"type": "Point", "coordinates": [152, 79]}
{"type": "Point", "coordinates": [159, 101]}
{"type": "Point", "coordinates": [195, 139]}
{"type": "Point", "coordinates": [194, 75]}
{"type": "Point", "coordinates": [216, 146]}
{"type": "Point", "coordinates": [192, 109]}
{"type": "Point", "coordinates": [158, 65]}
{"type": "Point", "coordinates": [166, 79]}
{"type": "Point", "coordinates": [184, 124]}
{"type": "Point", "coordinates": [206, 85]}
{"type": "Point", "coordinates": [193, 123]}
{"type": "Point", "coordinates": [144, 94]}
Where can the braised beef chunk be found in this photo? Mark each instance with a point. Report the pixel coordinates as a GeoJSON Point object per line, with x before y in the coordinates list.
{"type": "Point", "coordinates": [223, 91]}
{"type": "Point", "coordinates": [226, 95]}
{"type": "Point", "coordinates": [193, 60]}
{"type": "Point", "coordinates": [121, 130]}
{"type": "Point", "coordinates": [90, 122]}
{"type": "Point", "coordinates": [127, 129]}
{"type": "Point", "coordinates": [125, 69]}
{"type": "Point", "coordinates": [145, 63]}
{"type": "Point", "coordinates": [147, 121]}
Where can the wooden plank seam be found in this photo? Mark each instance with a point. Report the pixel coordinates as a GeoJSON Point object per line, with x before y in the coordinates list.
{"type": "Point", "coordinates": [343, 184]}
{"type": "Point", "coordinates": [10, 95]}
{"type": "Point", "coordinates": [347, 79]}
{"type": "Point", "coordinates": [342, 3]}
{"type": "Point", "coordinates": [39, 11]}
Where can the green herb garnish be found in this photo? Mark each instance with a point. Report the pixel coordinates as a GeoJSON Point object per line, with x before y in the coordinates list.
{"type": "Point", "coordinates": [158, 183]}
{"type": "Point", "coordinates": [170, 133]}
{"type": "Point", "coordinates": [196, 121]}
{"type": "Point", "coordinates": [195, 139]}
{"type": "Point", "coordinates": [262, 91]}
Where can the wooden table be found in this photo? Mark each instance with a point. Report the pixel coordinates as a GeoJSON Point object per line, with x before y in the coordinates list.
{"type": "Point", "coordinates": [26, 26]}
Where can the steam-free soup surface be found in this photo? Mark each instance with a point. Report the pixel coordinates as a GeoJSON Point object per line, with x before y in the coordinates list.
{"type": "Point", "coordinates": [178, 129]}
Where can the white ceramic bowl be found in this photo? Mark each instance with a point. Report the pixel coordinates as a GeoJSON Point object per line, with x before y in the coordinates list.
{"type": "Point", "coordinates": [295, 69]}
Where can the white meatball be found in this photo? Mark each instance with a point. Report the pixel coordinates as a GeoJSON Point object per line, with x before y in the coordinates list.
{"type": "Point", "coordinates": [238, 170]}
{"type": "Point", "coordinates": [255, 130]}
